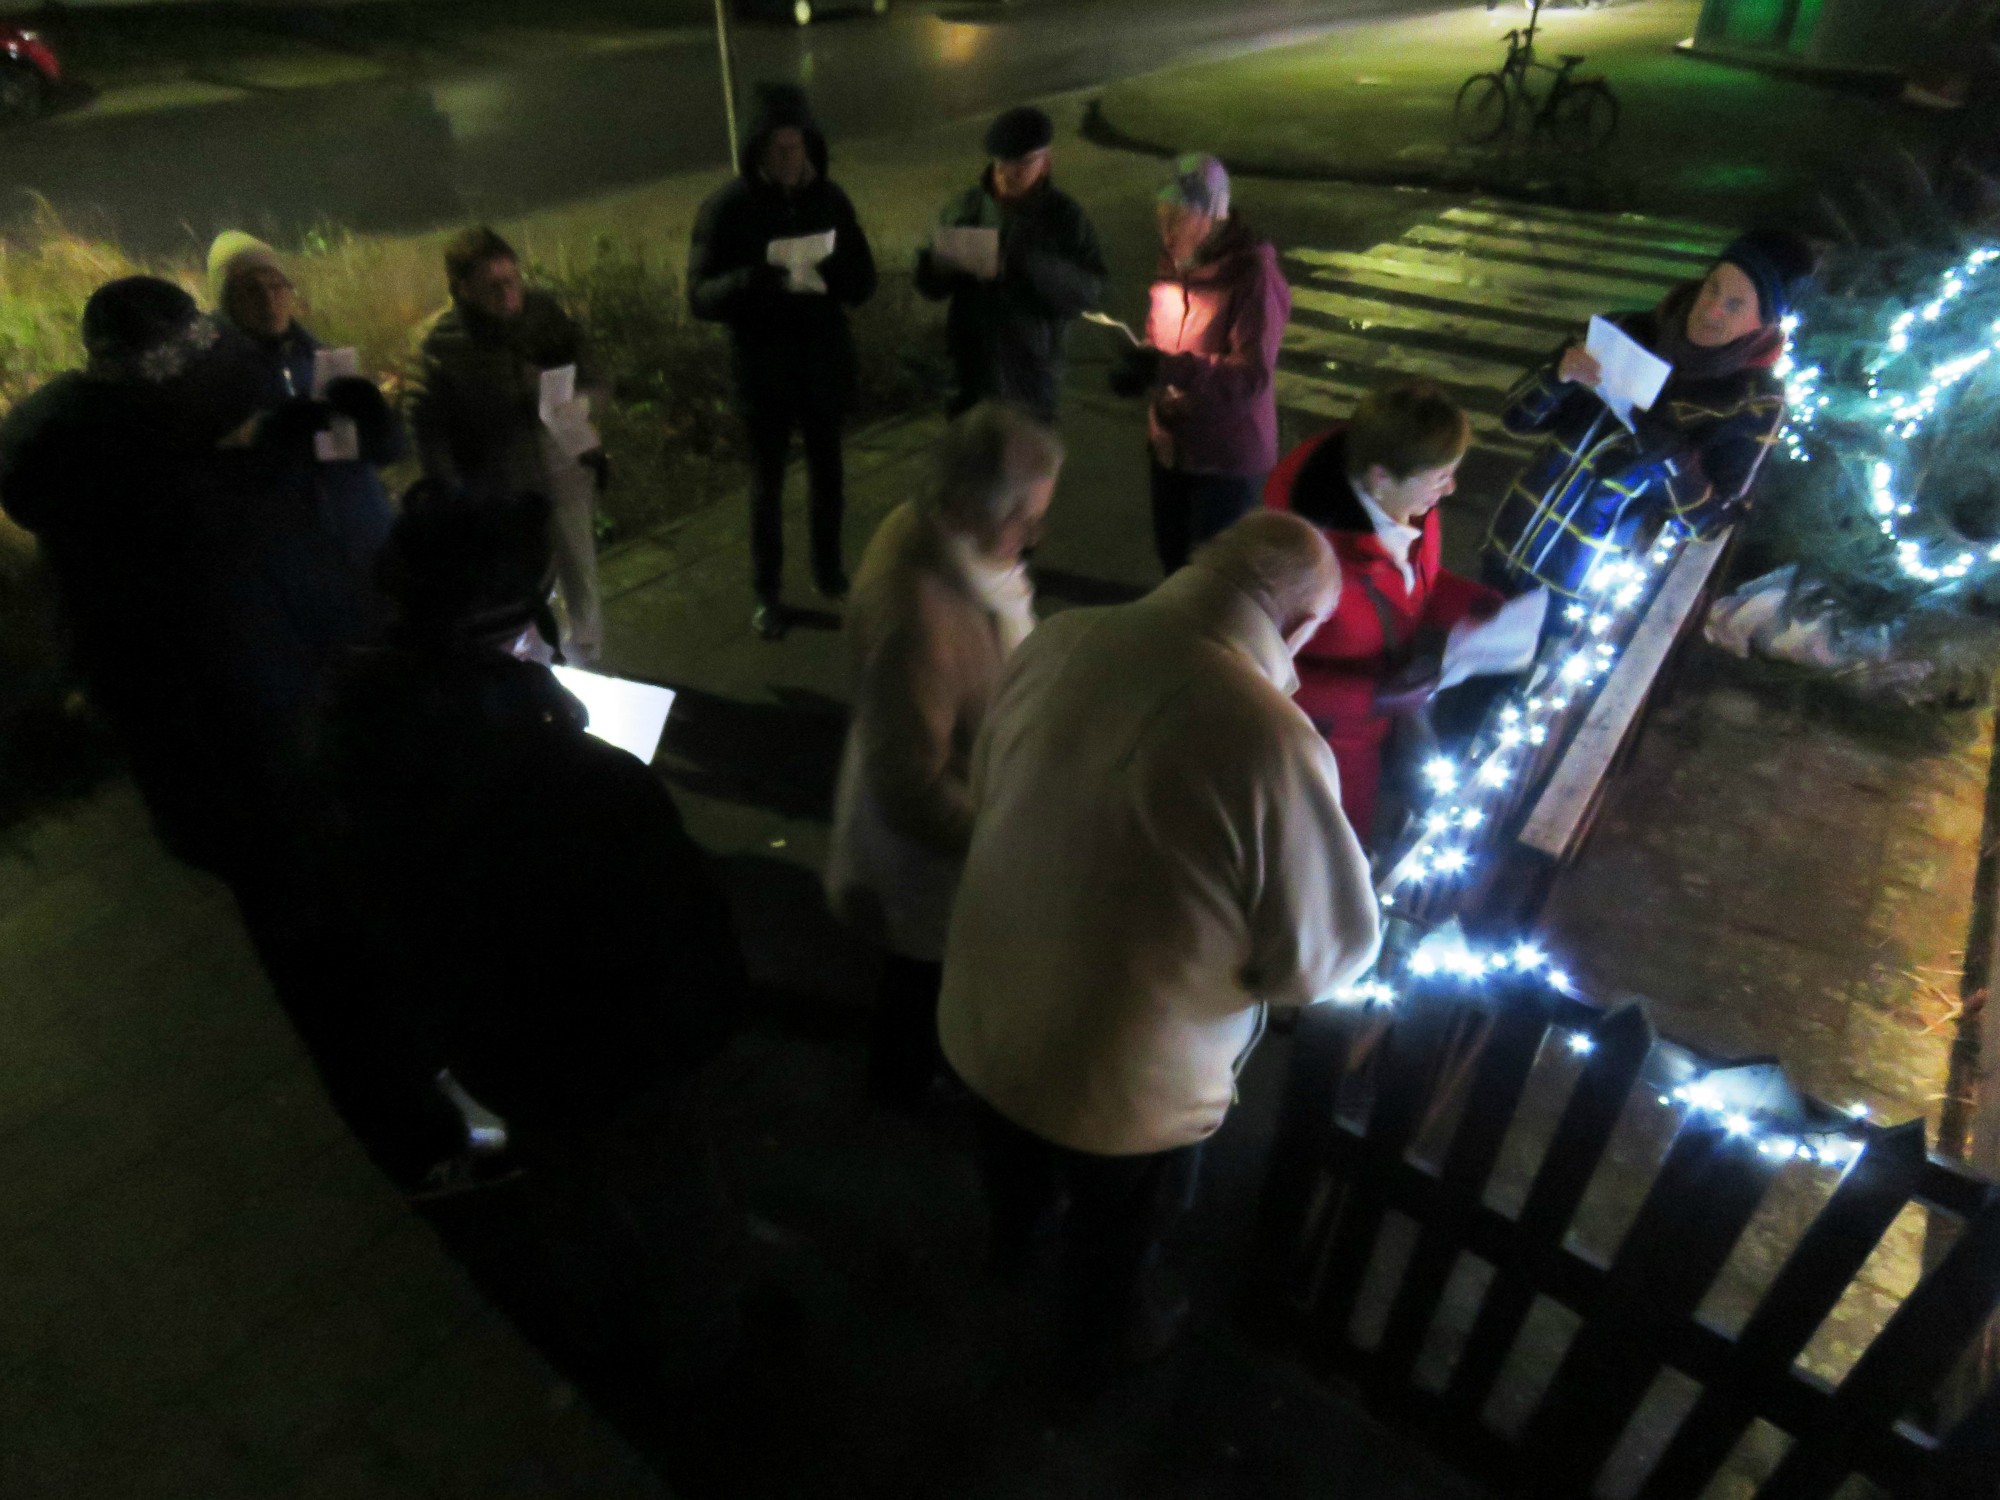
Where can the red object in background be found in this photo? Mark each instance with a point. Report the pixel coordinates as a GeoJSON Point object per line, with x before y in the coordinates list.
{"type": "Point", "coordinates": [29, 73]}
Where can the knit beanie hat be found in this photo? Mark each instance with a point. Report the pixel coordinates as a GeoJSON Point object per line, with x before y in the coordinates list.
{"type": "Point", "coordinates": [233, 253]}
{"type": "Point", "coordinates": [1201, 185]}
{"type": "Point", "coordinates": [1778, 263]}
{"type": "Point", "coordinates": [1021, 131]}
{"type": "Point", "coordinates": [140, 328]}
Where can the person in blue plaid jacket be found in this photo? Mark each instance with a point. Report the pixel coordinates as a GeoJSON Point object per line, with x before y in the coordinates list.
{"type": "Point", "coordinates": [1594, 488]}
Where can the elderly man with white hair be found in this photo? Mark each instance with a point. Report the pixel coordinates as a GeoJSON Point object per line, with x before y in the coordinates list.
{"type": "Point", "coordinates": [1159, 858]}
{"type": "Point", "coordinates": [941, 601]}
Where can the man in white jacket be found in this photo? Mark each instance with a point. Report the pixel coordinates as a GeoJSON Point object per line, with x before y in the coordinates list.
{"type": "Point", "coordinates": [1158, 856]}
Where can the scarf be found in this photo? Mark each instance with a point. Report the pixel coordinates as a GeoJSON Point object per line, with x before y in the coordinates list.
{"type": "Point", "coordinates": [1691, 361]}
{"type": "Point", "coordinates": [1002, 589]}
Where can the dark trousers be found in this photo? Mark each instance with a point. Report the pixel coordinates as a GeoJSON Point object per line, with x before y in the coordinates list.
{"type": "Point", "coordinates": [1112, 1214]}
{"type": "Point", "coordinates": [770, 430]}
{"type": "Point", "coordinates": [1188, 509]}
{"type": "Point", "coordinates": [903, 1052]}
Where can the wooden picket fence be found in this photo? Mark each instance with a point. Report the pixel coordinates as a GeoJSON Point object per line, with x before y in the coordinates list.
{"type": "Point", "coordinates": [1396, 1137]}
{"type": "Point", "coordinates": [1487, 1209]}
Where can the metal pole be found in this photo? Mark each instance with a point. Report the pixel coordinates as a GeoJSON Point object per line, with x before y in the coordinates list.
{"type": "Point", "coordinates": [728, 77]}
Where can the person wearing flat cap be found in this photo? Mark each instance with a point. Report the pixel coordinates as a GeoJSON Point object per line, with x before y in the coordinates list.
{"type": "Point", "coordinates": [1012, 302]}
{"type": "Point", "coordinates": [1594, 489]}
{"type": "Point", "coordinates": [1217, 317]}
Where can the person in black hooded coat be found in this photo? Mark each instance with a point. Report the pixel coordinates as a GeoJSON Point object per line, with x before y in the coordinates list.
{"type": "Point", "coordinates": [792, 351]}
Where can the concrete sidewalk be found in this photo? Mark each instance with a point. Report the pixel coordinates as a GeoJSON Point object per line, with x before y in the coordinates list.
{"type": "Point", "coordinates": [1374, 105]}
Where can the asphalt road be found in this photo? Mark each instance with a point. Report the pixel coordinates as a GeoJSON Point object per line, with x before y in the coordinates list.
{"type": "Point", "coordinates": [404, 155]}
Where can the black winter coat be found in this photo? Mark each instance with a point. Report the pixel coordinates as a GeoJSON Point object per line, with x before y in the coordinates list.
{"type": "Point", "coordinates": [1007, 336]}
{"type": "Point", "coordinates": [786, 348]}
{"type": "Point", "coordinates": [474, 403]}
{"type": "Point", "coordinates": [539, 918]}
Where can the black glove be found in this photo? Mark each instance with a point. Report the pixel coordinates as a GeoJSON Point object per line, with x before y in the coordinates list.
{"type": "Point", "coordinates": [294, 423]}
{"type": "Point", "coordinates": [599, 463]}
{"type": "Point", "coordinates": [360, 401]}
{"type": "Point", "coordinates": [1411, 687]}
{"type": "Point", "coordinates": [765, 280]}
{"type": "Point", "coordinates": [1136, 371]}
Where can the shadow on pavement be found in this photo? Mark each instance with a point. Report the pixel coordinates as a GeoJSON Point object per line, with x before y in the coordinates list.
{"type": "Point", "coordinates": [781, 756]}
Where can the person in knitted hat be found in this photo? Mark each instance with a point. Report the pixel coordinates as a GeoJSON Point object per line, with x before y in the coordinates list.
{"type": "Point", "coordinates": [1596, 489]}
{"type": "Point", "coordinates": [1216, 320]}
{"type": "Point", "coordinates": [791, 351]}
{"type": "Point", "coordinates": [1014, 290]}
{"type": "Point", "coordinates": [256, 306]}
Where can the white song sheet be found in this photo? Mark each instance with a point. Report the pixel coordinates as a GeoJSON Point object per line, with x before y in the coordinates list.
{"type": "Point", "coordinates": [1632, 374]}
{"type": "Point", "coordinates": [1505, 643]}
{"type": "Point", "coordinates": [340, 443]}
{"type": "Point", "coordinates": [630, 715]}
{"type": "Point", "coordinates": [801, 257]}
{"type": "Point", "coordinates": [970, 249]}
{"type": "Point", "coordinates": [566, 414]}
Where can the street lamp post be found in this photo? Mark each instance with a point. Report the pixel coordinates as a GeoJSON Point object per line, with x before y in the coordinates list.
{"type": "Point", "coordinates": [728, 75]}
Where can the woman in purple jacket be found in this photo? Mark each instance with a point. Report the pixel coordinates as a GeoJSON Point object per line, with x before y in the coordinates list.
{"type": "Point", "coordinates": [1219, 305]}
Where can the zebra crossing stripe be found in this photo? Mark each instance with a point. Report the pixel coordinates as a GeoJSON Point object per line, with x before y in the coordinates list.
{"type": "Point", "coordinates": [1367, 314]}
{"type": "Point", "coordinates": [1400, 359]}
{"type": "Point", "coordinates": [1699, 236]}
{"type": "Point", "coordinates": [1515, 250]}
{"type": "Point", "coordinates": [1478, 286]}
{"type": "Point", "coordinates": [1316, 396]}
{"type": "Point", "coordinates": [1471, 300]}
{"type": "Point", "coordinates": [1691, 255]}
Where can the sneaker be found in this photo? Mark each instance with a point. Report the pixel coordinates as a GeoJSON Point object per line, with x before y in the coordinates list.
{"type": "Point", "coordinates": [768, 620]}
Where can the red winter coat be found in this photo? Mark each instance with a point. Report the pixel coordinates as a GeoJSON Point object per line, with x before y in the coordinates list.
{"type": "Point", "coordinates": [1379, 622]}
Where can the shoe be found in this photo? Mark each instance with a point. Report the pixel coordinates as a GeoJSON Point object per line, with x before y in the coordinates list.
{"type": "Point", "coordinates": [768, 620]}
{"type": "Point", "coordinates": [831, 587]}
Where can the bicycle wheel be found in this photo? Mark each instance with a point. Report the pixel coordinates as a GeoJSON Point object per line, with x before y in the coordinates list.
{"type": "Point", "coordinates": [1482, 109]}
{"type": "Point", "coordinates": [1585, 116]}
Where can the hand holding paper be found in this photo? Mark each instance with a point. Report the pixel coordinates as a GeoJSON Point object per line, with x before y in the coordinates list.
{"type": "Point", "coordinates": [800, 258]}
{"type": "Point", "coordinates": [1504, 643]}
{"type": "Point", "coordinates": [1630, 376]}
{"type": "Point", "coordinates": [565, 414]}
{"type": "Point", "coordinates": [341, 442]}
{"type": "Point", "coordinates": [971, 250]}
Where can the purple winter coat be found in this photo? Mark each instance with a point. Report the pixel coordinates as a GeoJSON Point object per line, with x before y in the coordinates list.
{"type": "Point", "coordinates": [1219, 323]}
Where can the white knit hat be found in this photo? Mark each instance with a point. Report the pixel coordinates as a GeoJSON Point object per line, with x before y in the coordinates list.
{"type": "Point", "coordinates": [235, 252]}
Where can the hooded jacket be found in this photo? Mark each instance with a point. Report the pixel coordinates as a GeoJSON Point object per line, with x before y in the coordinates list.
{"type": "Point", "coordinates": [474, 402]}
{"type": "Point", "coordinates": [1007, 336]}
{"type": "Point", "coordinates": [784, 345]}
{"type": "Point", "coordinates": [1380, 624]}
{"type": "Point", "coordinates": [1220, 324]}
{"type": "Point", "coordinates": [1593, 488]}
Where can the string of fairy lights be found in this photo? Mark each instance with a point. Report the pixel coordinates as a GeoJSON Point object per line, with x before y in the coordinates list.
{"type": "Point", "coordinates": [1929, 350]}
{"type": "Point", "coordinates": [1464, 791]}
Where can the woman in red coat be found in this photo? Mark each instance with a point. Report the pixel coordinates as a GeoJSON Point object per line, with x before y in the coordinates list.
{"type": "Point", "coordinates": [1372, 485]}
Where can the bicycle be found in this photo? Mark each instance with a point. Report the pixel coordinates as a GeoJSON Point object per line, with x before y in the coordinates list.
{"type": "Point", "coordinates": [1580, 113]}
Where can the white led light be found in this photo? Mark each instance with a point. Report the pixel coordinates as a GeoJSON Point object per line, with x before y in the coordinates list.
{"type": "Point", "coordinates": [1581, 1044]}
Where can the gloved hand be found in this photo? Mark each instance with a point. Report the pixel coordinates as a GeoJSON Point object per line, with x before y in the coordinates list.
{"type": "Point", "coordinates": [294, 423]}
{"type": "Point", "coordinates": [1410, 688]}
{"type": "Point", "coordinates": [765, 280]}
{"type": "Point", "coordinates": [599, 463]}
{"type": "Point", "coordinates": [360, 401]}
{"type": "Point", "coordinates": [1137, 371]}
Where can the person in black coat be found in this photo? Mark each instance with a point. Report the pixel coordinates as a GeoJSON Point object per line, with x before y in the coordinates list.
{"type": "Point", "coordinates": [536, 920]}
{"type": "Point", "coordinates": [202, 599]}
{"type": "Point", "coordinates": [792, 352]}
{"type": "Point", "coordinates": [1007, 330]}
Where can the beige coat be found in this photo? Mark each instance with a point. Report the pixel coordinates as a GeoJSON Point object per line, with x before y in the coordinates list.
{"type": "Point", "coordinates": [1160, 854]}
{"type": "Point", "coordinates": [927, 660]}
